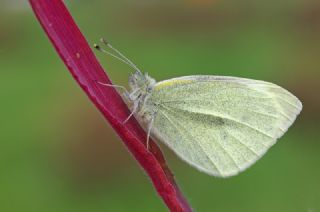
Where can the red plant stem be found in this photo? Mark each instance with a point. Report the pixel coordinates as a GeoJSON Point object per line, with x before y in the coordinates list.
{"type": "Point", "coordinates": [86, 70]}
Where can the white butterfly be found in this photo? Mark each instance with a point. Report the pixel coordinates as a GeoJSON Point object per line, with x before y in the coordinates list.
{"type": "Point", "coordinates": [220, 125]}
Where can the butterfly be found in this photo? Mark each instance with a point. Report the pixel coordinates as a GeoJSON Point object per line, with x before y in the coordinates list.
{"type": "Point", "coordinates": [220, 125]}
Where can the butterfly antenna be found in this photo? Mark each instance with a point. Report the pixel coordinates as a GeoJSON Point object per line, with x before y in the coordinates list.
{"type": "Point", "coordinates": [124, 58]}
{"type": "Point", "coordinates": [99, 48]}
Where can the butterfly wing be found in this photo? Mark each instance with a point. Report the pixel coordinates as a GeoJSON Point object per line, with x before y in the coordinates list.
{"type": "Point", "coordinates": [221, 125]}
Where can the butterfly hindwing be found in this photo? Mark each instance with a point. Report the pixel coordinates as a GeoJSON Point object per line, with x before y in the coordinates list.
{"type": "Point", "coordinates": [220, 125]}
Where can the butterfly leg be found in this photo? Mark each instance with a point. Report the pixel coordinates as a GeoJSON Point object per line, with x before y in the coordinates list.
{"type": "Point", "coordinates": [134, 110]}
{"type": "Point", "coordinates": [114, 86]}
{"type": "Point", "coordinates": [150, 128]}
{"type": "Point", "coordinates": [126, 95]}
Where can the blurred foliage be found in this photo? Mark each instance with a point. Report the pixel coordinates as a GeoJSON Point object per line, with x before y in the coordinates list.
{"type": "Point", "coordinates": [58, 154]}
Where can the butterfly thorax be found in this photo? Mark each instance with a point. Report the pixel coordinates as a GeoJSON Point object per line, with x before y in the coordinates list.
{"type": "Point", "coordinates": [141, 86]}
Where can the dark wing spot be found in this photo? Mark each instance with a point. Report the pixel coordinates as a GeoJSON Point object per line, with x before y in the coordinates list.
{"type": "Point", "coordinates": [217, 121]}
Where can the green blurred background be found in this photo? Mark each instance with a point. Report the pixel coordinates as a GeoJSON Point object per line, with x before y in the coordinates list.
{"type": "Point", "coordinates": [58, 154]}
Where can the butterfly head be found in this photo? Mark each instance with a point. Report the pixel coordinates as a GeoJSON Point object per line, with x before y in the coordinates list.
{"type": "Point", "coordinates": [140, 84]}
